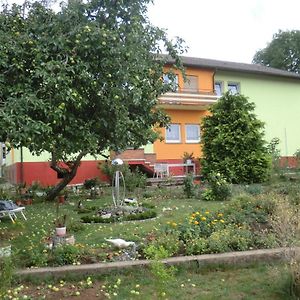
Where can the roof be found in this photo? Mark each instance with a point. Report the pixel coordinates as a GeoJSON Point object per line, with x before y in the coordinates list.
{"type": "Point", "coordinates": [234, 66]}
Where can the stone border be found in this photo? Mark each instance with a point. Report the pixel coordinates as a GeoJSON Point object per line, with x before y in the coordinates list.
{"type": "Point", "coordinates": [235, 258]}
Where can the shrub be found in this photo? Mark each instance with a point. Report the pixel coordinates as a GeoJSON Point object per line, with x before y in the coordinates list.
{"type": "Point", "coordinates": [65, 255]}
{"type": "Point", "coordinates": [201, 224]}
{"type": "Point", "coordinates": [6, 275]}
{"type": "Point", "coordinates": [147, 214]}
{"type": "Point", "coordinates": [189, 186]}
{"type": "Point", "coordinates": [218, 190]}
{"type": "Point", "coordinates": [264, 240]}
{"type": "Point", "coordinates": [133, 179]}
{"type": "Point", "coordinates": [254, 189]}
{"type": "Point", "coordinates": [36, 257]}
{"type": "Point", "coordinates": [285, 222]}
{"type": "Point", "coordinates": [231, 238]}
{"type": "Point", "coordinates": [196, 246]}
{"type": "Point", "coordinates": [92, 182]}
{"type": "Point", "coordinates": [248, 210]}
{"type": "Point", "coordinates": [233, 141]}
{"type": "Point", "coordinates": [169, 241]}
{"type": "Point", "coordinates": [274, 152]}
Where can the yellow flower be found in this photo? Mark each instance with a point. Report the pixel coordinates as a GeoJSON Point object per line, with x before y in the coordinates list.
{"type": "Point", "coordinates": [174, 224]}
{"type": "Point", "coordinates": [207, 212]}
{"type": "Point", "coordinates": [197, 213]}
{"type": "Point", "coordinates": [196, 222]}
{"type": "Point", "coordinates": [203, 218]}
{"type": "Point", "coordinates": [220, 215]}
{"type": "Point", "coordinates": [222, 221]}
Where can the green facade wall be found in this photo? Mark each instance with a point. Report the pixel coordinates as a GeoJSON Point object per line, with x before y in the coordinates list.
{"type": "Point", "coordinates": [277, 101]}
{"type": "Point", "coordinates": [15, 156]}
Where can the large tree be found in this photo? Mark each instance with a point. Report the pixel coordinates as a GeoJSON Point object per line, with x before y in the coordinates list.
{"type": "Point", "coordinates": [283, 52]}
{"type": "Point", "coordinates": [81, 80]}
{"type": "Point", "coordinates": [233, 142]}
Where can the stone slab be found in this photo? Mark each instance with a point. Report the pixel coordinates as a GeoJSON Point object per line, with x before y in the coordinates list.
{"type": "Point", "coordinates": [234, 258]}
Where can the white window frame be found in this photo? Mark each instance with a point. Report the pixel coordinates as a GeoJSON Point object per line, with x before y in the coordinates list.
{"type": "Point", "coordinates": [221, 84]}
{"type": "Point", "coordinates": [173, 127]}
{"type": "Point", "coordinates": [168, 80]}
{"type": "Point", "coordinates": [236, 84]}
{"type": "Point", "coordinates": [191, 141]}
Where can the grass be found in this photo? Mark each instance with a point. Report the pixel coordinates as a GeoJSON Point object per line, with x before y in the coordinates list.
{"type": "Point", "coordinates": [251, 282]}
{"type": "Point", "coordinates": [26, 235]}
{"type": "Point", "coordinates": [259, 281]}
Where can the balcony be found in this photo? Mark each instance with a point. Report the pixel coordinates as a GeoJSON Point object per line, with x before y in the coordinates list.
{"type": "Point", "coordinates": [188, 99]}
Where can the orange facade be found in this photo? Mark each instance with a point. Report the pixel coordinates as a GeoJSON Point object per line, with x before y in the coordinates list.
{"type": "Point", "coordinates": [168, 151]}
{"type": "Point", "coordinates": [188, 105]}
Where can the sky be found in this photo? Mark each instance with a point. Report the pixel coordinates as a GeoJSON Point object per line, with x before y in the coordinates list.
{"type": "Point", "coordinates": [230, 30]}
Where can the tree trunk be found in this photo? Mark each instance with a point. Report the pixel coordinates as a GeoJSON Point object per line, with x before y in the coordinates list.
{"type": "Point", "coordinates": [69, 174]}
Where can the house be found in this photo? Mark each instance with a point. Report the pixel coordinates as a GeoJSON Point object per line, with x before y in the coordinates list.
{"type": "Point", "coordinates": [276, 94]}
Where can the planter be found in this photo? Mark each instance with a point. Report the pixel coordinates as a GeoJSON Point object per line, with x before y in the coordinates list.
{"type": "Point", "coordinates": [61, 199]}
{"type": "Point", "coordinates": [5, 251]}
{"type": "Point", "coordinates": [61, 231]}
{"type": "Point", "coordinates": [19, 202]}
{"type": "Point", "coordinates": [27, 201]}
{"type": "Point", "coordinates": [188, 161]}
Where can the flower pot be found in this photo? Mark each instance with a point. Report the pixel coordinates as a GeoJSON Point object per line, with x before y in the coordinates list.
{"type": "Point", "coordinates": [61, 199]}
{"type": "Point", "coordinates": [19, 202]}
{"type": "Point", "coordinates": [61, 231]}
{"type": "Point", "coordinates": [27, 201]}
{"type": "Point", "coordinates": [5, 251]}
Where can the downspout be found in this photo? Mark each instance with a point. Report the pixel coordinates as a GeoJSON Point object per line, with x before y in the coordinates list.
{"type": "Point", "coordinates": [21, 167]}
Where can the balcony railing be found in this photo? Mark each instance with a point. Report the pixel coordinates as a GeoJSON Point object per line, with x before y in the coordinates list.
{"type": "Point", "coordinates": [186, 96]}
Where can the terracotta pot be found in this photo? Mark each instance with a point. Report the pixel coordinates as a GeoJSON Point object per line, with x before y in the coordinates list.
{"type": "Point", "coordinates": [27, 201]}
{"type": "Point", "coordinates": [61, 199]}
{"type": "Point", "coordinates": [61, 231]}
{"type": "Point", "coordinates": [19, 202]}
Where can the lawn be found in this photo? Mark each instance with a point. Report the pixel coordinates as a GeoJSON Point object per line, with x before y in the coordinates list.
{"type": "Point", "coordinates": [252, 282]}
{"type": "Point", "coordinates": [183, 226]}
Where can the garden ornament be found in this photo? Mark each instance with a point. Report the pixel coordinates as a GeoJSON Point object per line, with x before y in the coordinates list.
{"type": "Point", "coordinates": [118, 184]}
{"type": "Point", "coordinates": [120, 243]}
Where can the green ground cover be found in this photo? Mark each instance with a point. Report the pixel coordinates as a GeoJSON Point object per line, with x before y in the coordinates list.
{"type": "Point", "coordinates": [256, 216]}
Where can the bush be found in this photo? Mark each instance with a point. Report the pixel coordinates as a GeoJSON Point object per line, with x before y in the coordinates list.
{"type": "Point", "coordinates": [248, 210]}
{"type": "Point", "coordinates": [254, 189]}
{"type": "Point", "coordinates": [147, 214]}
{"type": "Point", "coordinates": [6, 275]}
{"type": "Point", "coordinates": [169, 241]}
{"type": "Point", "coordinates": [229, 239]}
{"type": "Point", "coordinates": [196, 246]}
{"type": "Point", "coordinates": [189, 186]}
{"type": "Point", "coordinates": [201, 224]}
{"type": "Point", "coordinates": [264, 240]}
{"type": "Point", "coordinates": [233, 142]}
{"type": "Point", "coordinates": [218, 190]}
{"type": "Point", "coordinates": [133, 179]}
{"type": "Point", "coordinates": [65, 255]}
{"type": "Point", "coordinates": [90, 183]}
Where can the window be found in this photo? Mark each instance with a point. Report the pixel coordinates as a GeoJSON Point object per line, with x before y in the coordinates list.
{"type": "Point", "coordinates": [192, 133]}
{"type": "Point", "coordinates": [218, 88]}
{"type": "Point", "coordinates": [233, 88]}
{"type": "Point", "coordinates": [168, 79]}
{"type": "Point", "coordinates": [191, 85]}
{"type": "Point", "coordinates": [173, 133]}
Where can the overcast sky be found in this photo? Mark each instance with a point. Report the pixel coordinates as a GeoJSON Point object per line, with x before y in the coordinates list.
{"type": "Point", "coordinates": [231, 30]}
